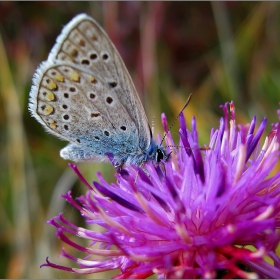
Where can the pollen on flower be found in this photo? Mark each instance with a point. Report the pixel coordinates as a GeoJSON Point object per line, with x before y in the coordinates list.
{"type": "Point", "coordinates": [207, 213]}
{"type": "Point", "coordinates": [231, 229]}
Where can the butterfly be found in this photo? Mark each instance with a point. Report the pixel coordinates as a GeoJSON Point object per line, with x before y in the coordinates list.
{"type": "Point", "coordinates": [84, 94]}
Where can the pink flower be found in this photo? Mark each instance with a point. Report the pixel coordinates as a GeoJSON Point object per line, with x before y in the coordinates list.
{"type": "Point", "coordinates": [206, 213]}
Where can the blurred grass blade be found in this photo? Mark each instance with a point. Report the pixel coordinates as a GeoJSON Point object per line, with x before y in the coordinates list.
{"type": "Point", "coordinates": [17, 178]}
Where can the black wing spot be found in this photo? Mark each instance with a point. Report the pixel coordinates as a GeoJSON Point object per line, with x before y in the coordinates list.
{"type": "Point", "coordinates": [109, 100]}
{"type": "Point", "coordinates": [92, 95]}
{"type": "Point", "coordinates": [113, 84]}
{"type": "Point", "coordinates": [95, 115]}
{"type": "Point", "coordinates": [105, 56]}
{"type": "Point", "coordinates": [93, 56]}
{"type": "Point", "coordinates": [85, 62]}
{"type": "Point", "coordinates": [106, 133]}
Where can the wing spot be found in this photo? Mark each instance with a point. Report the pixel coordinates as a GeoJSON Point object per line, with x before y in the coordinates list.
{"type": "Point", "coordinates": [66, 117]}
{"type": "Point", "coordinates": [78, 140]}
{"type": "Point", "coordinates": [94, 115]}
{"type": "Point", "coordinates": [123, 128]}
{"type": "Point", "coordinates": [85, 62]}
{"type": "Point", "coordinates": [53, 125]}
{"type": "Point", "coordinates": [82, 43]}
{"type": "Point", "coordinates": [47, 110]}
{"type": "Point", "coordinates": [109, 100]}
{"type": "Point", "coordinates": [64, 106]}
{"type": "Point", "coordinates": [66, 95]}
{"type": "Point", "coordinates": [106, 133]}
{"type": "Point", "coordinates": [66, 127]}
{"type": "Point", "coordinates": [66, 70]}
{"type": "Point", "coordinates": [105, 56]}
{"type": "Point", "coordinates": [49, 96]}
{"type": "Point", "coordinates": [93, 80]}
{"type": "Point", "coordinates": [113, 84]}
{"type": "Point", "coordinates": [74, 76]}
{"type": "Point", "coordinates": [59, 78]}
{"type": "Point", "coordinates": [51, 84]}
{"type": "Point", "coordinates": [93, 56]}
{"type": "Point", "coordinates": [96, 137]}
{"type": "Point", "coordinates": [74, 53]}
{"type": "Point", "coordinates": [92, 95]}
{"type": "Point", "coordinates": [53, 73]}
{"type": "Point", "coordinates": [72, 89]}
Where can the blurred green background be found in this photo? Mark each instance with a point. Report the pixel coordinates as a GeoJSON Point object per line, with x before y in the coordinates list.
{"type": "Point", "coordinates": [219, 51]}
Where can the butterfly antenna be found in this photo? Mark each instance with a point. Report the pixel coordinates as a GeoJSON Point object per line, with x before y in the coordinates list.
{"type": "Point", "coordinates": [205, 148]}
{"type": "Point", "coordinates": [186, 104]}
{"type": "Point", "coordinates": [153, 125]}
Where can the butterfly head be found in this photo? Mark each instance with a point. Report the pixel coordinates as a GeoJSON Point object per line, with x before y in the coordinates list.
{"type": "Point", "coordinates": [161, 154]}
{"type": "Point", "coordinates": [157, 153]}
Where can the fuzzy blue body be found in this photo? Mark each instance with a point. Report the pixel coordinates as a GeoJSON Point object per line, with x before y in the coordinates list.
{"type": "Point", "coordinates": [154, 153]}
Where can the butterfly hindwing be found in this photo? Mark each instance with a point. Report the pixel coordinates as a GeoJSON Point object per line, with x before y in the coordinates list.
{"type": "Point", "coordinates": [78, 106]}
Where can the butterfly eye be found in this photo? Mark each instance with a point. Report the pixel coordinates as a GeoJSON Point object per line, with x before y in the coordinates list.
{"type": "Point", "coordinates": [159, 155]}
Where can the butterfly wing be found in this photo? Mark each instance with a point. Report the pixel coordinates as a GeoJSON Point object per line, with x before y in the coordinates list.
{"type": "Point", "coordinates": [84, 94]}
{"type": "Point", "coordinates": [77, 105]}
{"type": "Point", "coordinates": [84, 43]}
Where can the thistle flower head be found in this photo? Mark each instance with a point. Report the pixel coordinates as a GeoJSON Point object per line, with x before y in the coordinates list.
{"type": "Point", "coordinates": [207, 213]}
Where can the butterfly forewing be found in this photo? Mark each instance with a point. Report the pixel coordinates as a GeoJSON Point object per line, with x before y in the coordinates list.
{"type": "Point", "coordinates": [84, 43]}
